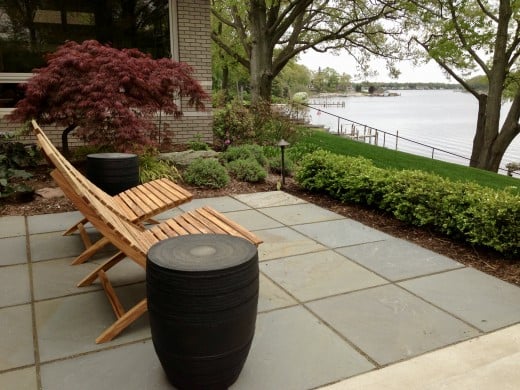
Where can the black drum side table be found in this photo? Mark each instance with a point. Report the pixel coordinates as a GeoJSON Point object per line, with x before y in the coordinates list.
{"type": "Point", "coordinates": [113, 172]}
{"type": "Point", "coordinates": [202, 292]}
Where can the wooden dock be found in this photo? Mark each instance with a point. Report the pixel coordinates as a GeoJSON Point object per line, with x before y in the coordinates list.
{"type": "Point", "coordinates": [326, 104]}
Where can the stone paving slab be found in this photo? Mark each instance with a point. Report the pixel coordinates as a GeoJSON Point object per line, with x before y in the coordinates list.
{"type": "Point", "coordinates": [222, 203]}
{"type": "Point", "coordinates": [299, 214]}
{"type": "Point", "coordinates": [288, 353]}
{"type": "Point", "coordinates": [341, 232]}
{"type": "Point", "coordinates": [259, 200]}
{"type": "Point", "coordinates": [57, 223]}
{"type": "Point", "coordinates": [129, 367]}
{"type": "Point", "coordinates": [14, 250]}
{"type": "Point", "coordinates": [57, 278]}
{"type": "Point", "coordinates": [61, 247]}
{"type": "Point", "coordinates": [390, 324]}
{"type": "Point", "coordinates": [12, 226]}
{"type": "Point", "coordinates": [397, 259]}
{"type": "Point", "coordinates": [16, 337]}
{"type": "Point", "coordinates": [485, 302]}
{"type": "Point", "coordinates": [23, 379]}
{"type": "Point", "coordinates": [320, 274]}
{"type": "Point", "coordinates": [14, 285]}
{"type": "Point", "coordinates": [68, 326]}
{"type": "Point", "coordinates": [283, 242]}
{"type": "Point", "coordinates": [253, 220]}
{"type": "Point", "coordinates": [489, 362]}
{"type": "Point", "coordinates": [271, 296]}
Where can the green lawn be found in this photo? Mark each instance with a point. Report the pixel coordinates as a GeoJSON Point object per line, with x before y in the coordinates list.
{"type": "Point", "coordinates": [387, 158]}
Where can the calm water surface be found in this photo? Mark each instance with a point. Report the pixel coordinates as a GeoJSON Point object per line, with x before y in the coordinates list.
{"type": "Point", "coordinates": [442, 119]}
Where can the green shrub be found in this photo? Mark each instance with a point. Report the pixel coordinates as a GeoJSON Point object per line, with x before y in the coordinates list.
{"type": "Point", "coordinates": [299, 150]}
{"type": "Point", "coordinates": [150, 168]}
{"type": "Point", "coordinates": [233, 124]}
{"type": "Point", "coordinates": [275, 165]}
{"type": "Point", "coordinates": [467, 211]}
{"type": "Point", "coordinates": [198, 145]}
{"type": "Point", "coordinates": [14, 157]}
{"type": "Point", "coordinates": [244, 152]}
{"type": "Point", "coordinates": [206, 173]}
{"type": "Point", "coordinates": [247, 170]}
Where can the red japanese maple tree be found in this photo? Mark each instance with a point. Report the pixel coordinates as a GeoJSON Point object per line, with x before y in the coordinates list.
{"type": "Point", "coordinates": [109, 95]}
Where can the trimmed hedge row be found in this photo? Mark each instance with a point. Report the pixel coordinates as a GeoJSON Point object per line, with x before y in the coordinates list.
{"type": "Point", "coordinates": [463, 210]}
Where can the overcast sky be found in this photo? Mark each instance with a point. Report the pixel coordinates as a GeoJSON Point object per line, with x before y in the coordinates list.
{"type": "Point", "coordinates": [343, 63]}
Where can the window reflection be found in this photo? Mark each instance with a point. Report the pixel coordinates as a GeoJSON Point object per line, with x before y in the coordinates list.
{"type": "Point", "coordinates": [30, 29]}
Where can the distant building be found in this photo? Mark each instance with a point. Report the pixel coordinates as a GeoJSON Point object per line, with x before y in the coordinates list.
{"type": "Point", "coordinates": [179, 29]}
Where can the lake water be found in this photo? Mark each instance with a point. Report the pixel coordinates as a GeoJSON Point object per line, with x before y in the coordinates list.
{"type": "Point", "coordinates": [442, 119]}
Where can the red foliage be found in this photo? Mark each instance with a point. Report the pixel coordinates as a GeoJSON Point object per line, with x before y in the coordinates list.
{"type": "Point", "coordinates": [110, 94]}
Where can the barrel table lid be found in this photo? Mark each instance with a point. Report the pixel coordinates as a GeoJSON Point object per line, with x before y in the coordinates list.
{"type": "Point", "coordinates": [111, 155]}
{"type": "Point", "coordinates": [201, 252]}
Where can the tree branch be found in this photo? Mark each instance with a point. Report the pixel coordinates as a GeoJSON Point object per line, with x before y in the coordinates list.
{"type": "Point", "coordinates": [486, 11]}
{"type": "Point", "coordinates": [232, 53]}
{"type": "Point", "coordinates": [462, 39]}
{"type": "Point", "coordinates": [444, 66]}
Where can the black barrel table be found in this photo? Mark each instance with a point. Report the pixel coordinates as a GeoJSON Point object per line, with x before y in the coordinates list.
{"type": "Point", "coordinates": [202, 292]}
{"type": "Point", "coordinates": [113, 172]}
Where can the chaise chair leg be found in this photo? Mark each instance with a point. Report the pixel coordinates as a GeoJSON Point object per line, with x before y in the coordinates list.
{"type": "Point", "coordinates": [91, 251]}
{"type": "Point", "coordinates": [75, 227]}
{"type": "Point", "coordinates": [123, 322]}
{"type": "Point", "coordinates": [89, 279]}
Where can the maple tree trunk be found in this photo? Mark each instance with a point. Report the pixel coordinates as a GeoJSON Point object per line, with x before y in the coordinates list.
{"type": "Point", "coordinates": [65, 139]}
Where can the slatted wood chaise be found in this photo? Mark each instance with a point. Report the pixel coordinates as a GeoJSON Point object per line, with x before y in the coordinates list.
{"type": "Point", "coordinates": [133, 241]}
{"type": "Point", "coordinates": [138, 204]}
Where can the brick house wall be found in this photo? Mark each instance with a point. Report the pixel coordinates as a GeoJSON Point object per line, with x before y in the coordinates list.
{"type": "Point", "coordinates": [193, 46]}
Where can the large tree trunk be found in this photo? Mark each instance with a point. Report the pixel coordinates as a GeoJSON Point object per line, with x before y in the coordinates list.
{"type": "Point", "coordinates": [261, 68]}
{"type": "Point", "coordinates": [490, 143]}
{"type": "Point", "coordinates": [478, 140]}
{"type": "Point", "coordinates": [510, 129]}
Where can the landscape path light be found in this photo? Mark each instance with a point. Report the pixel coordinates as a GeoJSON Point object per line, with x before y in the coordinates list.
{"type": "Point", "coordinates": [282, 144]}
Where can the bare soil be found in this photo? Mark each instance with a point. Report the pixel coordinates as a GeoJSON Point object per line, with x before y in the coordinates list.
{"type": "Point", "coordinates": [483, 259]}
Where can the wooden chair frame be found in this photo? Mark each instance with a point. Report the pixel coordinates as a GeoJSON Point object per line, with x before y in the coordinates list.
{"type": "Point", "coordinates": [138, 204]}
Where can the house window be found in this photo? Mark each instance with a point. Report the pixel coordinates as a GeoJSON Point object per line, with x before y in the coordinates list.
{"type": "Point", "coordinates": [31, 29]}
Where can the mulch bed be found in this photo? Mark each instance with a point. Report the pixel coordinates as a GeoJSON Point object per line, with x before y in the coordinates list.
{"type": "Point", "coordinates": [483, 259]}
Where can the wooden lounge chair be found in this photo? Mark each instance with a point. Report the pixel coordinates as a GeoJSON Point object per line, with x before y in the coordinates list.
{"type": "Point", "coordinates": [132, 240]}
{"type": "Point", "coordinates": [138, 204]}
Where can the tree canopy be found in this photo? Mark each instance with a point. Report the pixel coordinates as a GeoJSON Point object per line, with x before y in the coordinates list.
{"type": "Point", "coordinates": [263, 36]}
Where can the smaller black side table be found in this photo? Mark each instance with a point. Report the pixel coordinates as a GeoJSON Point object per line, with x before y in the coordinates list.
{"type": "Point", "coordinates": [113, 172]}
